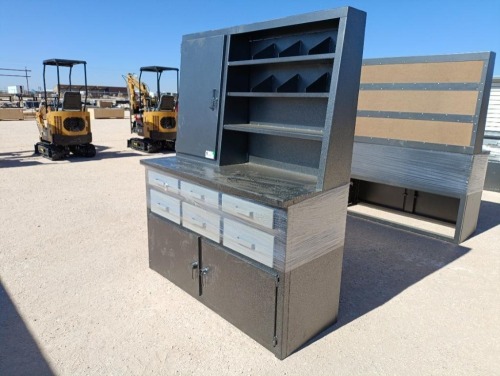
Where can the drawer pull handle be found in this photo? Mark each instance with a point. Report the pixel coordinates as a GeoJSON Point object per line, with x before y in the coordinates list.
{"type": "Point", "coordinates": [164, 183]}
{"type": "Point", "coordinates": [245, 243]}
{"type": "Point", "coordinates": [197, 195]}
{"type": "Point", "coordinates": [245, 212]}
{"type": "Point", "coordinates": [198, 223]}
{"type": "Point", "coordinates": [163, 207]}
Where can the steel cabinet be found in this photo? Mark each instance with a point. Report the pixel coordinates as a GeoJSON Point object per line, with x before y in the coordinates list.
{"type": "Point", "coordinates": [261, 176]}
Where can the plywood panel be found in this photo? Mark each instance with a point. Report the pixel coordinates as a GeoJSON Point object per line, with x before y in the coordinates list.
{"type": "Point", "coordinates": [107, 113]}
{"type": "Point", "coordinates": [445, 72]}
{"type": "Point", "coordinates": [421, 101]}
{"type": "Point", "coordinates": [438, 132]}
{"type": "Point", "coordinates": [11, 114]}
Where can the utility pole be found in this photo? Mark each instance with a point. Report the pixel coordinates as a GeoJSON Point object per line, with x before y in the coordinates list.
{"type": "Point", "coordinates": [25, 75]}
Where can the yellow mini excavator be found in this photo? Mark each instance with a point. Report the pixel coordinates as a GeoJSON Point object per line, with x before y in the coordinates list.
{"type": "Point", "coordinates": [64, 126]}
{"type": "Point", "coordinates": [153, 117]}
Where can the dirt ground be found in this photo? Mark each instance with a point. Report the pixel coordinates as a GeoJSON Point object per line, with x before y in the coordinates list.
{"type": "Point", "coordinates": [77, 296]}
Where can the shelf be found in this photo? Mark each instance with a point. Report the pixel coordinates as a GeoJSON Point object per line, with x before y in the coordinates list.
{"type": "Point", "coordinates": [284, 130]}
{"type": "Point", "coordinates": [276, 95]}
{"type": "Point", "coordinates": [283, 60]}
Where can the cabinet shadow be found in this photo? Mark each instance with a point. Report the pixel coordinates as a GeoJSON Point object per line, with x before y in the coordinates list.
{"type": "Point", "coordinates": [19, 352]}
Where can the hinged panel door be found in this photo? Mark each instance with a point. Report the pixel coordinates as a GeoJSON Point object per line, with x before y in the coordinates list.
{"type": "Point", "coordinates": [199, 96]}
{"type": "Point", "coordinates": [240, 292]}
{"type": "Point", "coordinates": [173, 252]}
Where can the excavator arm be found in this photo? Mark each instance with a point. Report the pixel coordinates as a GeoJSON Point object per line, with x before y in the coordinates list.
{"type": "Point", "coordinates": [137, 101]}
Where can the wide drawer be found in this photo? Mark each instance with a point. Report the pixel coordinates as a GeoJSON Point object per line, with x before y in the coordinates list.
{"type": "Point", "coordinates": [249, 211]}
{"type": "Point", "coordinates": [163, 182]}
{"type": "Point", "coordinates": [166, 206]}
{"type": "Point", "coordinates": [201, 221]}
{"type": "Point", "coordinates": [253, 243]}
{"type": "Point", "coordinates": [199, 194]}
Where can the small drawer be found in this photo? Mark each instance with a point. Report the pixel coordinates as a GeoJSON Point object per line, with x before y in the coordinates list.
{"type": "Point", "coordinates": [166, 206]}
{"type": "Point", "coordinates": [248, 241]}
{"type": "Point", "coordinates": [200, 194]}
{"type": "Point", "coordinates": [163, 182]}
{"type": "Point", "coordinates": [201, 221]}
{"type": "Point", "coordinates": [249, 211]}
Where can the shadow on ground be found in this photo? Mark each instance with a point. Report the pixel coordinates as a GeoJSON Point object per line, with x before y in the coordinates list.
{"type": "Point", "coordinates": [27, 158]}
{"type": "Point", "coordinates": [380, 262]}
{"type": "Point", "coordinates": [19, 352]}
{"type": "Point", "coordinates": [489, 217]}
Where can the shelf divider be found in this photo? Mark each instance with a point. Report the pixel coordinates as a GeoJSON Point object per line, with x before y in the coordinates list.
{"type": "Point", "coordinates": [321, 85]}
{"type": "Point", "coordinates": [265, 86]}
{"type": "Point", "coordinates": [325, 46]}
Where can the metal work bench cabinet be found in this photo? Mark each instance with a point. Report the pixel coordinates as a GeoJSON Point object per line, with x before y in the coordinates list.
{"type": "Point", "coordinates": [249, 216]}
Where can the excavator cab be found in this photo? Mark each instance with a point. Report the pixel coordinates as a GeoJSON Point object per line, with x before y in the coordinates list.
{"type": "Point", "coordinates": [153, 117]}
{"type": "Point", "coordinates": [64, 126]}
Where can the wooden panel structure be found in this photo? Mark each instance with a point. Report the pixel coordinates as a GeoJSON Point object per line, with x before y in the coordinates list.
{"type": "Point", "coordinates": [444, 72]}
{"type": "Point", "coordinates": [438, 132]}
{"type": "Point", "coordinates": [419, 101]}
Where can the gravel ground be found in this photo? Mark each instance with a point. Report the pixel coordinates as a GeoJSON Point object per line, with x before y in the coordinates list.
{"type": "Point", "coordinates": [77, 296]}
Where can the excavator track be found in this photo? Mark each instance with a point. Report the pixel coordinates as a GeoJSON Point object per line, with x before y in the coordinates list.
{"type": "Point", "coordinates": [83, 150]}
{"type": "Point", "coordinates": [145, 144]}
{"type": "Point", "coordinates": [58, 152]}
{"type": "Point", "coordinates": [51, 151]}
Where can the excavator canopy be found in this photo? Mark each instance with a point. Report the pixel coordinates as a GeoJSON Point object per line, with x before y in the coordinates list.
{"type": "Point", "coordinates": [63, 62]}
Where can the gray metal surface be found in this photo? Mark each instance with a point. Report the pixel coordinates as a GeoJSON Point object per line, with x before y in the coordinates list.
{"type": "Point", "coordinates": [425, 170]}
{"type": "Point", "coordinates": [262, 184]}
{"type": "Point", "coordinates": [492, 181]}
{"type": "Point", "coordinates": [311, 299]}
{"type": "Point", "coordinates": [240, 292]}
{"type": "Point", "coordinates": [200, 86]}
{"type": "Point", "coordinates": [336, 149]}
{"type": "Point", "coordinates": [172, 252]}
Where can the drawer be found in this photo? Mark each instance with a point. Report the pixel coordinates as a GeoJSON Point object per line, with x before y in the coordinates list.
{"type": "Point", "coordinates": [166, 206]}
{"type": "Point", "coordinates": [249, 211]}
{"type": "Point", "coordinates": [200, 194]}
{"type": "Point", "coordinates": [163, 182]}
{"type": "Point", "coordinates": [201, 221]}
{"type": "Point", "coordinates": [253, 243]}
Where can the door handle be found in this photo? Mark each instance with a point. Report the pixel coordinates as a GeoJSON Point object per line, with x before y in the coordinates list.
{"type": "Point", "coordinates": [215, 100]}
{"type": "Point", "coordinates": [203, 273]}
{"type": "Point", "coordinates": [194, 266]}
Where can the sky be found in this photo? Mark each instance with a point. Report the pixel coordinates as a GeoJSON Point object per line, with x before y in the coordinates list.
{"type": "Point", "coordinates": [118, 37]}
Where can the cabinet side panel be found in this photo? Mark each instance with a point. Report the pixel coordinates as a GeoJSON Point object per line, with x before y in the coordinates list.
{"type": "Point", "coordinates": [313, 300]}
{"type": "Point", "coordinates": [336, 153]}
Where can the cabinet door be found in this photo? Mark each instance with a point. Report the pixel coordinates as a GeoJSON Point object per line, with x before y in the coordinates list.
{"type": "Point", "coordinates": [199, 96]}
{"type": "Point", "coordinates": [173, 252]}
{"type": "Point", "coordinates": [240, 292]}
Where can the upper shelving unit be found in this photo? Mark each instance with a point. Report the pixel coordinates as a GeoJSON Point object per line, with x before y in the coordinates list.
{"type": "Point", "coordinates": [280, 93]}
